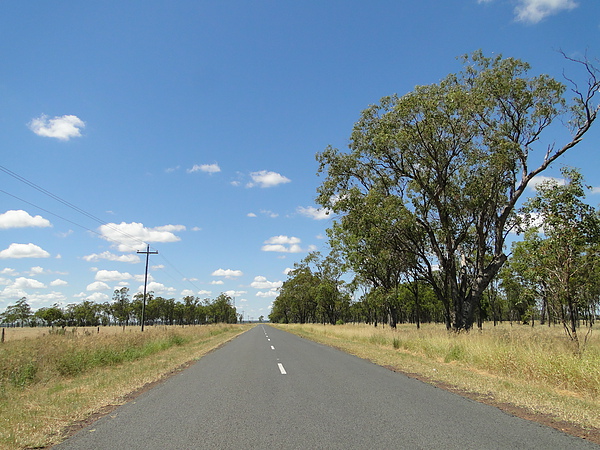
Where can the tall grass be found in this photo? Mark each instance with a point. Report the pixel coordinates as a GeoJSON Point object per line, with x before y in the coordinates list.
{"type": "Point", "coordinates": [28, 361]}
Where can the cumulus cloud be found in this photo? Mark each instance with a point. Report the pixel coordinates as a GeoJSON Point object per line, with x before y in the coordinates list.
{"type": "Point", "coordinates": [157, 288]}
{"type": "Point", "coordinates": [27, 283]}
{"type": "Point", "coordinates": [267, 294]}
{"type": "Point", "coordinates": [534, 11]}
{"type": "Point", "coordinates": [21, 219]}
{"type": "Point", "coordinates": [98, 286]}
{"type": "Point", "coordinates": [234, 294]}
{"type": "Point", "coordinates": [261, 282]}
{"type": "Point", "coordinates": [227, 273]}
{"type": "Point", "coordinates": [62, 128]}
{"type": "Point", "coordinates": [265, 179]}
{"type": "Point", "coordinates": [313, 213]}
{"type": "Point", "coordinates": [112, 275]}
{"type": "Point", "coordinates": [97, 297]}
{"type": "Point", "coordinates": [30, 250]}
{"type": "Point", "coordinates": [282, 244]}
{"type": "Point", "coordinates": [129, 258]}
{"type": "Point", "coordinates": [58, 282]}
{"type": "Point", "coordinates": [207, 168]}
{"type": "Point", "coordinates": [134, 236]}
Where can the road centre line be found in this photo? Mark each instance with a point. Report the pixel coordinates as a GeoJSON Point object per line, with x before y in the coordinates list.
{"type": "Point", "coordinates": [281, 369]}
{"type": "Point", "coordinates": [272, 348]}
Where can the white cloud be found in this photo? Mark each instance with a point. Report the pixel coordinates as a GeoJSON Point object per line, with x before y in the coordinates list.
{"type": "Point", "coordinates": [24, 251]}
{"type": "Point", "coordinates": [282, 244]}
{"type": "Point", "coordinates": [58, 282]}
{"type": "Point", "coordinates": [539, 179]}
{"type": "Point", "coordinates": [157, 288]}
{"type": "Point", "coordinates": [533, 11]}
{"type": "Point", "coordinates": [27, 283]}
{"type": "Point", "coordinates": [37, 270]}
{"type": "Point", "coordinates": [62, 128]}
{"type": "Point", "coordinates": [265, 179]}
{"type": "Point", "coordinates": [112, 275]}
{"type": "Point", "coordinates": [186, 293]}
{"type": "Point", "coordinates": [98, 286]}
{"type": "Point", "coordinates": [261, 282]}
{"type": "Point", "coordinates": [208, 168]}
{"type": "Point", "coordinates": [217, 282]}
{"type": "Point", "coordinates": [595, 190]}
{"type": "Point", "coordinates": [97, 297]}
{"type": "Point", "coordinates": [204, 292]}
{"type": "Point", "coordinates": [227, 273]}
{"type": "Point", "coordinates": [129, 258]}
{"type": "Point", "coordinates": [268, 294]}
{"type": "Point", "coordinates": [21, 219]}
{"type": "Point", "coordinates": [170, 228]}
{"type": "Point", "coordinates": [282, 240]}
{"type": "Point", "coordinates": [234, 294]}
{"type": "Point", "coordinates": [133, 236]}
{"type": "Point", "coordinates": [251, 215]}
{"type": "Point", "coordinates": [314, 213]}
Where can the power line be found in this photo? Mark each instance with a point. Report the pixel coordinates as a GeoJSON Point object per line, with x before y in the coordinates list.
{"type": "Point", "coordinates": [70, 205]}
{"type": "Point", "coordinates": [66, 220]}
{"type": "Point", "coordinates": [86, 214]}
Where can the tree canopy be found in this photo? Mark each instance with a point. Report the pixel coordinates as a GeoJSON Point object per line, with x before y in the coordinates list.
{"type": "Point", "coordinates": [457, 156]}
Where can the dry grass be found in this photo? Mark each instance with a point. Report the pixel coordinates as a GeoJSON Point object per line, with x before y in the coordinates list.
{"type": "Point", "coordinates": [532, 368]}
{"type": "Point", "coordinates": [51, 381]}
{"type": "Point", "coordinates": [18, 333]}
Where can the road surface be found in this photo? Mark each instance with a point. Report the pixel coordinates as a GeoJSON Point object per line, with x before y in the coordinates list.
{"type": "Point", "coordinates": [269, 389]}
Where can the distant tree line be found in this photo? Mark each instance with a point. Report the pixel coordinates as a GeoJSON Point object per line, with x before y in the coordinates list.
{"type": "Point", "coordinates": [123, 311]}
{"type": "Point", "coordinates": [429, 193]}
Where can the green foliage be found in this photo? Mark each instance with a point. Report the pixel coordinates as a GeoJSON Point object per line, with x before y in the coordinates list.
{"type": "Point", "coordinates": [558, 259]}
{"type": "Point", "coordinates": [313, 292]}
{"type": "Point", "coordinates": [429, 187]}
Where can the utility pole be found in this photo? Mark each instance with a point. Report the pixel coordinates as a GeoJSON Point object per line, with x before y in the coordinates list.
{"type": "Point", "coordinates": [147, 253]}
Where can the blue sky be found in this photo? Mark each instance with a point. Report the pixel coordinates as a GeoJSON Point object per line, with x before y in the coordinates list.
{"type": "Point", "coordinates": [193, 126]}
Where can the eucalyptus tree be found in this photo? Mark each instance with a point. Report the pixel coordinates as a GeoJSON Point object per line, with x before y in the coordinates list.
{"type": "Point", "coordinates": [378, 242]}
{"type": "Point", "coordinates": [121, 306]}
{"type": "Point", "coordinates": [457, 154]}
{"type": "Point", "coordinates": [523, 279]}
{"type": "Point", "coordinates": [330, 291]}
{"type": "Point", "coordinates": [569, 248]}
{"type": "Point", "coordinates": [20, 313]}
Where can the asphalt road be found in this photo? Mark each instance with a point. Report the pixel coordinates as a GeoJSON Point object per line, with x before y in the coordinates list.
{"type": "Point", "coordinates": [268, 389]}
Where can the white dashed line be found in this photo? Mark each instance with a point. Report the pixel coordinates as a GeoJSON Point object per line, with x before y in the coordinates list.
{"type": "Point", "coordinates": [281, 369]}
{"type": "Point", "coordinates": [272, 348]}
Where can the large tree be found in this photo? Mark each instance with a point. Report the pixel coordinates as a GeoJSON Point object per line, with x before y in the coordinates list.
{"type": "Point", "coordinates": [457, 153]}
